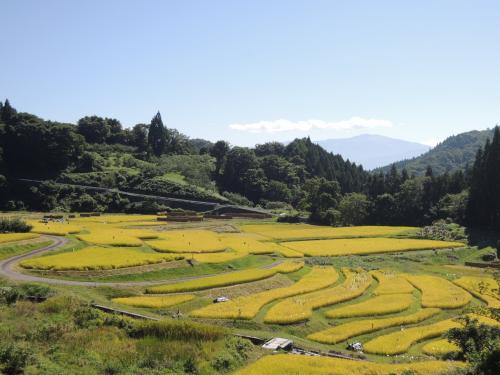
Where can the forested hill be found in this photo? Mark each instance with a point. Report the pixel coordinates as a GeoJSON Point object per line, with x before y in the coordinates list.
{"type": "Point", "coordinates": [454, 153]}
{"type": "Point", "coordinates": [154, 159]}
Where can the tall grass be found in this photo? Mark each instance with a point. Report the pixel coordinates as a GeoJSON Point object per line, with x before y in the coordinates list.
{"type": "Point", "coordinates": [177, 330]}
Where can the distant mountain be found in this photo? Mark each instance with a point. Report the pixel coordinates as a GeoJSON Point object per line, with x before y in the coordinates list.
{"type": "Point", "coordinates": [373, 151]}
{"type": "Point", "coordinates": [455, 152]}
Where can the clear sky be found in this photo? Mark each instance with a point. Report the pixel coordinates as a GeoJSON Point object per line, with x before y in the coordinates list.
{"type": "Point", "coordinates": [416, 70]}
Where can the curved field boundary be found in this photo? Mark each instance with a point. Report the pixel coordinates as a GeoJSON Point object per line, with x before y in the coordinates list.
{"type": "Point", "coordinates": [247, 307]}
{"type": "Point", "coordinates": [9, 271]}
{"type": "Point", "coordinates": [359, 327]}
{"type": "Point", "coordinates": [439, 292]}
{"type": "Point", "coordinates": [377, 305]}
{"type": "Point", "coordinates": [300, 308]}
{"type": "Point", "coordinates": [233, 278]}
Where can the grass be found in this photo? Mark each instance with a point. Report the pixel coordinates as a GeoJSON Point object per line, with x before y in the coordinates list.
{"type": "Point", "coordinates": [11, 250]}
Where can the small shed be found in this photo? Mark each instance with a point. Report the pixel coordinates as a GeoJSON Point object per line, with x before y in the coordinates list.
{"type": "Point", "coordinates": [278, 343]}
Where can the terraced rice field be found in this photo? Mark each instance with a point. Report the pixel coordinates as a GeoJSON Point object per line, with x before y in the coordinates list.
{"type": "Point", "coordinates": [400, 341]}
{"type": "Point", "coordinates": [12, 237]}
{"type": "Point", "coordinates": [296, 309]}
{"type": "Point", "coordinates": [187, 241]}
{"type": "Point", "coordinates": [362, 246]}
{"type": "Point", "coordinates": [54, 228]}
{"type": "Point", "coordinates": [359, 327]}
{"type": "Point", "coordinates": [484, 288]}
{"type": "Point", "coordinates": [390, 303]}
{"type": "Point", "coordinates": [247, 307]}
{"type": "Point", "coordinates": [96, 258]}
{"type": "Point", "coordinates": [110, 238]}
{"type": "Point", "coordinates": [439, 292]}
{"type": "Point", "coordinates": [299, 231]}
{"type": "Point", "coordinates": [282, 364]}
{"type": "Point", "coordinates": [391, 283]}
{"type": "Point", "coordinates": [154, 301]}
{"type": "Point", "coordinates": [378, 305]}
{"type": "Point", "coordinates": [439, 348]}
{"type": "Point", "coordinates": [232, 278]}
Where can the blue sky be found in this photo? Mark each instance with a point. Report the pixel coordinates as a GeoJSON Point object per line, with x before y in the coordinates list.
{"type": "Point", "coordinates": [419, 70]}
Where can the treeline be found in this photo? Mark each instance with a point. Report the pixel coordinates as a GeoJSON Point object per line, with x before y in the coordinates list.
{"type": "Point", "coordinates": [301, 175]}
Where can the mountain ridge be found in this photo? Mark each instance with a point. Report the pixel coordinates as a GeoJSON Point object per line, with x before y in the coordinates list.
{"type": "Point", "coordinates": [454, 153]}
{"type": "Point", "coordinates": [372, 150]}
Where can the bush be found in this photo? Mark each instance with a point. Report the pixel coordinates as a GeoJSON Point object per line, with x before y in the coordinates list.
{"type": "Point", "coordinates": [14, 225]}
{"type": "Point", "coordinates": [237, 199]}
{"type": "Point", "coordinates": [14, 358]}
{"type": "Point", "coordinates": [289, 219]}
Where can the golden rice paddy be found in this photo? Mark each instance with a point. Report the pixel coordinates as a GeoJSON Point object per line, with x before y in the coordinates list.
{"type": "Point", "coordinates": [11, 237]}
{"type": "Point", "coordinates": [439, 348]}
{"type": "Point", "coordinates": [231, 278]}
{"type": "Point", "coordinates": [298, 231]}
{"type": "Point", "coordinates": [439, 292]}
{"type": "Point", "coordinates": [286, 364]}
{"type": "Point", "coordinates": [378, 305]}
{"type": "Point", "coordinates": [296, 309]}
{"type": "Point", "coordinates": [154, 301]}
{"type": "Point", "coordinates": [484, 288]}
{"type": "Point", "coordinates": [359, 327]}
{"type": "Point", "coordinates": [362, 246]}
{"type": "Point", "coordinates": [54, 228]}
{"type": "Point", "coordinates": [96, 258]}
{"type": "Point", "coordinates": [247, 307]}
{"type": "Point", "coordinates": [391, 283]}
{"type": "Point", "coordinates": [400, 341]}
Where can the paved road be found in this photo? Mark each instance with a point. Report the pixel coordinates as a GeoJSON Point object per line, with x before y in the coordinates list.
{"type": "Point", "coordinates": [8, 270]}
{"type": "Point", "coordinates": [127, 193]}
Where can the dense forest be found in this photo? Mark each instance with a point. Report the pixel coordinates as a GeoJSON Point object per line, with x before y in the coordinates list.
{"type": "Point", "coordinates": [300, 178]}
{"type": "Point", "coordinates": [456, 152]}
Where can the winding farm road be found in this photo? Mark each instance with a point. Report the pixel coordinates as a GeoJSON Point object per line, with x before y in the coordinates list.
{"type": "Point", "coordinates": [9, 271]}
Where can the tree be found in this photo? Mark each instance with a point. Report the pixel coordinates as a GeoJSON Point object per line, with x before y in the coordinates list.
{"type": "Point", "coordinates": [7, 112]}
{"type": "Point", "coordinates": [238, 161]}
{"type": "Point", "coordinates": [484, 201]}
{"type": "Point", "coordinates": [157, 135]}
{"type": "Point", "coordinates": [322, 196]}
{"type": "Point", "coordinates": [219, 151]}
{"type": "Point", "coordinates": [95, 129]}
{"type": "Point", "coordinates": [354, 209]}
{"type": "Point", "coordinates": [479, 345]}
{"type": "Point", "coordinates": [140, 137]}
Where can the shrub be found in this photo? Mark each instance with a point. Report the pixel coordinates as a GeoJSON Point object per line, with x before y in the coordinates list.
{"type": "Point", "coordinates": [8, 225]}
{"type": "Point", "coordinates": [14, 358]}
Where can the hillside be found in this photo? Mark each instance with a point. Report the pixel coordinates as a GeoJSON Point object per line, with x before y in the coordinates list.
{"type": "Point", "coordinates": [454, 153]}
{"type": "Point", "coordinates": [372, 151]}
